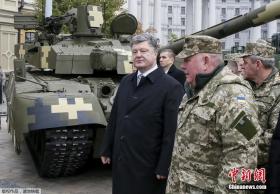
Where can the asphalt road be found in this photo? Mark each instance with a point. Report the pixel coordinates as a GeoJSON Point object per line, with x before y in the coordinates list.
{"type": "Point", "coordinates": [18, 171]}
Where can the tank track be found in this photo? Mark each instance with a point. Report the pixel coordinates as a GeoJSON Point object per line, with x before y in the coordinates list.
{"type": "Point", "coordinates": [60, 152]}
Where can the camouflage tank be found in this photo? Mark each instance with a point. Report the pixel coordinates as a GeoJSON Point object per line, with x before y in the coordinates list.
{"type": "Point", "coordinates": [61, 91]}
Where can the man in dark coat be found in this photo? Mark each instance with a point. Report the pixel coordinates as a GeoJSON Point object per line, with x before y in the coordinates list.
{"type": "Point", "coordinates": [140, 135]}
{"type": "Point", "coordinates": [273, 175]}
{"type": "Point", "coordinates": [166, 60]}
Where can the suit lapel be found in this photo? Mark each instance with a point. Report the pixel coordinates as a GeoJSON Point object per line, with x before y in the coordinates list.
{"type": "Point", "coordinates": [138, 94]}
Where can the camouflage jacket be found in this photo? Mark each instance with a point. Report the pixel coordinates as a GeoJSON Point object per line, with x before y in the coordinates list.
{"type": "Point", "coordinates": [217, 131]}
{"type": "Point", "coordinates": [267, 97]}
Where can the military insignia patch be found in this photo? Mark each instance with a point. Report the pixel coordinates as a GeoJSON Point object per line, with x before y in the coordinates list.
{"type": "Point", "coordinates": [240, 98]}
{"type": "Point", "coordinates": [244, 126]}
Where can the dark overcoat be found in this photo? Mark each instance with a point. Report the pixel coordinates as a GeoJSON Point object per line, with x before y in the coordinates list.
{"type": "Point", "coordinates": [273, 175]}
{"type": "Point", "coordinates": [141, 130]}
{"type": "Point", "coordinates": [177, 74]}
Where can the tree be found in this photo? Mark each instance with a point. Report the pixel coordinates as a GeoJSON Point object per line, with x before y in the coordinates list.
{"type": "Point", "coordinates": [172, 37]}
{"type": "Point", "coordinates": [62, 6]}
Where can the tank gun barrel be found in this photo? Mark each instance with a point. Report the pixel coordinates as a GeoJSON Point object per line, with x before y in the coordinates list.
{"type": "Point", "coordinates": [254, 18]}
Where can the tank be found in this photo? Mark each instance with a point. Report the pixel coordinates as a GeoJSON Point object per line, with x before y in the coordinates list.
{"type": "Point", "coordinates": [61, 91]}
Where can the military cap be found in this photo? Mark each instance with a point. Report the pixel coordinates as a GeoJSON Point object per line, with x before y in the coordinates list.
{"type": "Point", "coordinates": [232, 57]}
{"type": "Point", "coordinates": [259, 49]}
{"type": "Point", "coordinates": [200, 44]}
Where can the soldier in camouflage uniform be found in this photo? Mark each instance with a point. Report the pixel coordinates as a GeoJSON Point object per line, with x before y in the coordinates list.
{"type": "Point", "coordinates": [234, 61]}
{"type": "Point", "coordinates": [217, 128]}
{"type": "Point", "coordinates": [260, 71]}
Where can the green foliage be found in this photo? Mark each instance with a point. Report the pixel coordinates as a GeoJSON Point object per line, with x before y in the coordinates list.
{"type": "Point", "coordinates": [62, 6]}
{"type": "Point", "coordinates": [172, 37]}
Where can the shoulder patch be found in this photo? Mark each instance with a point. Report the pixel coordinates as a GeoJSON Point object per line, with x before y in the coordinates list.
{"type": "Point", "coordinates": [244, 126]}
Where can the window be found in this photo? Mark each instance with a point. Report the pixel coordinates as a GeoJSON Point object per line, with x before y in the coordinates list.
{"type": "Point", "coordinates": [224, 11]}
{"type": "Point", "coordinates": [237, 11]}
{"type": "Point", "coordinates": [182, 0]}
{"type": "Point", "coordinates": [183, 21]}
{"type": "Point", "coordinates": [223, 45]}
{"type": "Point", "coordinates": [264, 34]}
{"type": "Point", "coordinates": [236, 35]}
{"type": "Point", "coordinates": [236, 44]}
{"type": "Point", "coordinates": [183, 10]}
{"type": "Point", "coordinates": [169, 32]}
{"type": "Point", "coordinates": [169, 21]}
{"type": "Point", "coordinates": [223, 1]}
{"type": "Point", "coordinates": [223, 20]}
{"type": "Point", "coordinates": [169, 9]}
{"type": "Point", "coordinates": [183, 32]}
{"type": "Point", "coordinates": [278, 27]}
{"type": "Point", "coordinates": [29, 37]}
{"type": "Point", "coordinates": [237, 1]}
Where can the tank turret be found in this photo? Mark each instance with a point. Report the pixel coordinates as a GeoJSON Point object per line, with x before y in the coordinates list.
{"type": "Point", "coordinates": [254, 18]}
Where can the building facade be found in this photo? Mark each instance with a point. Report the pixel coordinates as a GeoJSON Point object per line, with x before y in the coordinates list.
{"type": "Point", "coordinates": [177, 18]}
{"type": "Point", "coordinates": [8, 35]}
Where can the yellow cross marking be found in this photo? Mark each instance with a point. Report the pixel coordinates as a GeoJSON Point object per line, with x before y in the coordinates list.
{"type": "Point", "coordinates": [45, 53]}
{"type": "Point", "coordinates": [98, 17]}
{"type": "Point", "coordinates": [127, 65]}
{"type": "Point", "coordinates": [21, 51]}
{"type": "Point", "coordinates": [71, 109]}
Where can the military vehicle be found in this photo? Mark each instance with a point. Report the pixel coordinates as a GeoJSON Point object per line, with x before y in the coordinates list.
{"type": "Point", "coordinates": [62, 105]}
{"type": "Point", "coordinates": [254, 18]}
{"type": "Point", "coordinates": [62, 88]}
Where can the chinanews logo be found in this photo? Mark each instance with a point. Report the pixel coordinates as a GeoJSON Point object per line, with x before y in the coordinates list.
{"type": "Point", "coordinates": [247, 179]}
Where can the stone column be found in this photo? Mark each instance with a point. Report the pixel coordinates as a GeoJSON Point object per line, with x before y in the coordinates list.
{"type": "Point", "coordinates": [145, 14]}
{"type": "Point", "coordinates": [212, 12]}
{"type": "Point", "coordinates": [157, 17]}
{"type": "Point", "coordinates": [256, 31]}
{"type": "Point", "coordinates": [48, 8]}
{"type": "Point", "coordinates": [132, 7]}
{"type": "Point", "coordinates": [197, 7]}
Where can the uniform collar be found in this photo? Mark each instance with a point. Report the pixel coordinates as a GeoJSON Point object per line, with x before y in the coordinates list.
{"type": "Point", "coordinates": [267, 80]}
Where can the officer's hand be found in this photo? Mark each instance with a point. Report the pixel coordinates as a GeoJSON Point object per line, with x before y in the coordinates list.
{"type": "Point", "coordinates": [160, 177]}
{"type": "Point", "coordinates": [105, 160]}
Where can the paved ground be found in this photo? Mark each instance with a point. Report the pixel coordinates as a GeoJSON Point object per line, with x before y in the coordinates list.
{"type": "Point", "coordinates": [19, 171]}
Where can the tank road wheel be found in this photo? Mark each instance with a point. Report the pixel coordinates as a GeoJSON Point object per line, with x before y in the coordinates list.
{"type": "Point", "coordinates": [61, 152]}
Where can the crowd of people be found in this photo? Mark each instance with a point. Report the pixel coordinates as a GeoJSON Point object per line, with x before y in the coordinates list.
{"type": "Point", "coordinates": [204, 128]}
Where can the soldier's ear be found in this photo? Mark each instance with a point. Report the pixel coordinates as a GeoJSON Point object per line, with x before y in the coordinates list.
{"type": "Point", "coordinates": [258, 64]}
{"type": "Point", "coordinates": [206, 62]}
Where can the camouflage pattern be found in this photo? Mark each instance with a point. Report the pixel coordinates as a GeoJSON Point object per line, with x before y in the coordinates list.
{"type": "Point", "coordinates": [200, 44]}
{"type": "Point", "coordinates": [267, 97]}
{"type": "Point", "coordinates": [232, 57]}
{"type": "Point", "coordinates": [260, 49]}
{"type": "Point", "coordinates": [217, 131]}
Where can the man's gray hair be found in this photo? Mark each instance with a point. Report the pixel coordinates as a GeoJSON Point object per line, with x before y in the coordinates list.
{"type": "Point", "coordinates": [152, 41]}
{"type": "Point", "coordinates": [267, 62]}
